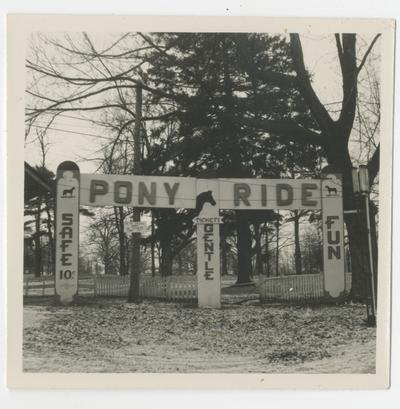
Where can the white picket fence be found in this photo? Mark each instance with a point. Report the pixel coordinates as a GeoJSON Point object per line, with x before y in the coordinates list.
{"type": "Point", "coordinates": [174, 288]}
{"type": "Point", "coordinates": [38, 285]}
{"type": "Point", "coordinates": [295, 287]}
{"type": "Point", "coordinates": [42, 286]}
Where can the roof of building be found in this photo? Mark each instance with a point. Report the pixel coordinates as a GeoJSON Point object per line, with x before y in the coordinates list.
{"type": "Point", "coordinates": [35, 183]}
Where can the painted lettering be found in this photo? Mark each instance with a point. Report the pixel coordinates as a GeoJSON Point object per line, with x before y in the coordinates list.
{"type": "Point", "coordinates": [336, 240]}
{"type": "Point", "coordinates": [241, 192]}
{"type": "Point", "coordinates": [208, 228]}
{"type": "Point", "coordinates": [334, 251]}
{"type": "Point", "coordinates": [67, 219]}
{"type": "Point", "coordinates": [171, 192]}
{"type": "Point", "coordinates": [65, 274]}
{"type": "Point", "coordinates": [65, 244]}
{"type": "Point", "coordinates": [66, 232]}
{"type": "Point", "coordinates": [122, 192]}
{"type": "Point", "coordinates": [306, 193]}
{"type": "Point", "coordinates": [97, 188]}
{"type": "Point", "coordinates": [263, 195]}
{"type": "Point", "coordinates": [65, 259]}
{"type": "Point", "coordinates": [151, 196]}
{"type": "Point", "coordinates": [330, 220]}
{"type": "Point", "coordinates": [280, 189]}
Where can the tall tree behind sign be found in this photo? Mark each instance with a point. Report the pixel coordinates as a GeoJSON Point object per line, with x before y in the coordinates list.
{"type": "Point", "coordinates": [214, 94]}
{"type": "Point", "coordinates": [333, 136]}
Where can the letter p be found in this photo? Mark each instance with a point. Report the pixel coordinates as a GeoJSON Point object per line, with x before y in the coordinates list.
{"type": "Point", "coordinates": [97, 187]}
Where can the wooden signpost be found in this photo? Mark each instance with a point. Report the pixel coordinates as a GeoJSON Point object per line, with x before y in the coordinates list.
{"type": "Point", "coordinates": [67, 232]}
{"type": "Point", "coordinates": [208, 267]}
{"type": "Point", "coordinates": [208, 196]}
{"type": "Point", "coordinates": [332, 235]}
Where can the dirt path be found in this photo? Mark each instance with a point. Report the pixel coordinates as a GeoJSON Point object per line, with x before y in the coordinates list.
{"type": "Point", "coordinates": [160, 337]}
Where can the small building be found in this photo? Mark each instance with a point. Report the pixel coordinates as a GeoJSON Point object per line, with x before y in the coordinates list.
{"type": "Point", "coordinates": [36, 262]}
{"type": "Point", "coordinates": [34, 183]}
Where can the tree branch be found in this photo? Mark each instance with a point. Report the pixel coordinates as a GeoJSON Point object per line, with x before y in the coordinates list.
{"type": "Point", "coordinates": [373, 165]}
{"type": "Point", "coordinates": [347, 56]}
{"type": "Point", "coordinates": [364, 59]}
{"type": "Point", "coordinates": [119, 77]}
{"type": "Point", "coordinates": [318, 110]}
{"type": "Point", "coordinates": [286, 129]}
{"type": "Point", "coordinates": [270, 77]}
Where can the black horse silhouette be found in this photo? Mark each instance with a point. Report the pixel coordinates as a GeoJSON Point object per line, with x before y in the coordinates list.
{"type": "Point", "coordinates": [331, 190]}
{"type": "Point", "coordinates": [205, 197]}
{"type": "Point", "coordinates": [68, 192]}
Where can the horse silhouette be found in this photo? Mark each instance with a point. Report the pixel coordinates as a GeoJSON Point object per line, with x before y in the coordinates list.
{"type": "Point", "coordinates": [331, 190]}
{"type": "Point", "coordinates": [205, 197]}
{"type": "Point", "coordinates": [68, 192]}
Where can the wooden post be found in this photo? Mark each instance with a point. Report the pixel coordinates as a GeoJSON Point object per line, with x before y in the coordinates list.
{"type": "Point", "coordinates": [153, 265]}
{"type": "Point", "coordinates": [332, 235]}
{"type": "Point", "coordinates": [133, 295]}
{"type": "Point", "coordinates": [208, 243]}
{"type": "Point", "coordinates": [67, 232]}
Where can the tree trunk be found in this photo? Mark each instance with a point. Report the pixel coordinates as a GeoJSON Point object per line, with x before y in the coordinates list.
{"type": "Point", "coordinates": [51, 238]}
{"type": "Point", "coordinates": [38, 248]}
{"type": "Point", "coordinates": [277, 248]}
{"type": "Point", "coordinates": [180, 263]}
{"type": "Point", "coordinates": [166, 257]}
{"type": "Point", "coordinates": [297, 252]}
{"type": "Point", "coordinates": [134, 287]}
{"type": "Point", "coordinates": [244, 247]}
{"type": "Point", "coordinates": [119, 219]}
{"type": "Point", "coordinates": [153, 264]}
{"type": "Point", "coordinates": [224, 257]}
{"type": "Point", "coordinates": [267, 255]}
{"type": "Point", "coordinates": [122, 244]}
{"type": "Point", "coordinates": [127, 255]}
{"type": "Point", "coordinates": [359, 257]}
{"type": "Point", "coordinates": [374, 237]}
{"type": "Point", "coordinates": [259, 259]}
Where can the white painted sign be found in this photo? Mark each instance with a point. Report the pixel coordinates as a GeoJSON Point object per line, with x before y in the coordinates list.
{"type": "Point", "coordinates": [269, 194]}
{"type": "Point", "coordinates": [208, 268]}
{"type": "Point", "coordinates": [136, 227]}
{"type": "Point", "coordinates": [67, 232]}
{"type": "Point", "coordinates": [332, 220]}
{"type": "Point", "coordinates": [205, 220]}
{"type": "Point", "coordinates": [138, 191]}
{"type": "Point", "coordinates": [207, 196]}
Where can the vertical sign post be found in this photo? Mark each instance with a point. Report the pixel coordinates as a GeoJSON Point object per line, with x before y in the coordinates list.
{"type": "Point", "coordinates": [67, 231]}
{"type": "Point", "coordinates": [208, 268]}
{"type": "Point", "coordinates": [333, 238]}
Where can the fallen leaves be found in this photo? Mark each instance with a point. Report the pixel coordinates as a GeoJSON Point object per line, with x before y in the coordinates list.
{"type": "Point", "coordinates": [116, 332]}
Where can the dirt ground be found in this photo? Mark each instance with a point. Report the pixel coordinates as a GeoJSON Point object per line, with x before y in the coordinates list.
{"type": "Point", "coordinates": [113, 336]}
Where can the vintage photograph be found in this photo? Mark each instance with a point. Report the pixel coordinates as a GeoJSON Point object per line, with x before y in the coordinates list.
{"type": "Point", "coordinates": [204, 201]}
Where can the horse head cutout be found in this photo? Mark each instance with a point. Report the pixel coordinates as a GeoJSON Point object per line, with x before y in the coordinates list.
{"type": "Point", "coordinates": [204, 197]}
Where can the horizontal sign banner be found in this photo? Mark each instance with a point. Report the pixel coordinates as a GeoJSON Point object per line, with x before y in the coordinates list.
{"type": "Point", "coordinates": [181, 192]}
{"type": "Point", "coordinates": [138, 191]}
